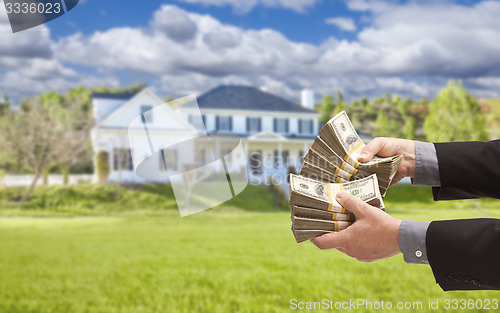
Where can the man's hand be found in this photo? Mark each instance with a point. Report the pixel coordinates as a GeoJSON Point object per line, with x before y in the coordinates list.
{"type": "Point", "coordinates": [387, 147]}
{"type": "Point", "coordinates": [373, 236]}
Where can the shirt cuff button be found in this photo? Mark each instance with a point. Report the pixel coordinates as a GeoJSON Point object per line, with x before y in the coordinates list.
{"type": "Point", "coordinates": [418, 253]}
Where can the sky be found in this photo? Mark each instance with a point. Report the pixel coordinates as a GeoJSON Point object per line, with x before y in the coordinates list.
{"type": "Point", "coordinates": [181, 47]}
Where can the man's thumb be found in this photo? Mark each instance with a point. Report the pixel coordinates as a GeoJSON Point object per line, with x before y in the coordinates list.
{"type": "Point", "coordinates": [351, 203]}
{"type": "Point", "coordinates": [370, 150]}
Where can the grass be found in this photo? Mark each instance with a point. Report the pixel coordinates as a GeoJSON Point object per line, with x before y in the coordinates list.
{"type": "Point", "coordinates": [245, 261]}
{"type": "Point", "coordinates": [242, 262]}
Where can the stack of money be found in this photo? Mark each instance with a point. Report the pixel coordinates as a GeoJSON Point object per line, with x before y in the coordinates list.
{"type": "Point", "coordinates": [333, 156]}
{"type": "Point", "coordinates": [315, 211]}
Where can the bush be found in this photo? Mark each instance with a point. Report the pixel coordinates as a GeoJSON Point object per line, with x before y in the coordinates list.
{"type": "Point", "coordinates": [102, 166]}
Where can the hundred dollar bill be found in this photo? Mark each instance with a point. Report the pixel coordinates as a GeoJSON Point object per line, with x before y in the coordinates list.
{"type": "Point", "coordinates": [301, 211]}
{"type": "Point", "coordinates": [350, 140]}
{"type": "Point", "coordinates": [304, 223]}
{"type": "Point", "coordinates": [320, 195]}
{"type": "Point", "coordinates": [303, 235]}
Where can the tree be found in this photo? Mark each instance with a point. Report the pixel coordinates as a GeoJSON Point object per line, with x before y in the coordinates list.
{"type": "Point", "coordinates": [132, 88]}
{"type": "Point", "coordinates": [382, 124]}
{"type": "Point", "coordinates": [341, 105]}
{"type": "Point", "coordinates": [455, 116]}
{"type": "Point", "coordinates": [4, 106]}
{"type": "Point", "coordinates": [327, 108]}
{"type": "Point", "coordinates": [410, 128]}
{"type": "Point", "coordinates": [44, 134]}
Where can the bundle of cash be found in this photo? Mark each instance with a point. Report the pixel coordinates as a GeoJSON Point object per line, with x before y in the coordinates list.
{"type": "Point", "coordinates": [333, 156]}
{"type": "Point", "coordinates": [315, 211]}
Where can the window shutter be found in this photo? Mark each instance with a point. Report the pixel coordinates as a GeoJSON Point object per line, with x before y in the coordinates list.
{"type": "Point", "coordinates": [248, 124]}
{"type": "Point", "coordinates": [275, 125]}
{"type": "Point", "coordinates": [286, 126]}
{"type": "Point", "coordinates": [311, 128]}
{"type": "Point", "coordinates": [204, 119]}
{"type": "Point", "coordinates": [217, 123]}
{"type": "Point", "coordinates": [300, 126]}
{"type": "Point", "coordinates": [230, 123]}
{"type": "Point", "coordinates": [260, 124]}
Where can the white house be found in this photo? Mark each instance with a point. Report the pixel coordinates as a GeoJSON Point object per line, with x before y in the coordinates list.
{"type": "Point", "coordinates": [275, 132]}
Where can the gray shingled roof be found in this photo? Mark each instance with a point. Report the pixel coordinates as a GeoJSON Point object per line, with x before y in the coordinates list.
{"type": "Point", "coordinates": [114, 96]}
{"type": "Point", "coordinates": [247, 98]}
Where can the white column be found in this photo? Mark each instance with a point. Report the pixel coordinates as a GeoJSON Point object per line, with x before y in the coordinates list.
{"type": "Point", "coordinates": [304, 150]}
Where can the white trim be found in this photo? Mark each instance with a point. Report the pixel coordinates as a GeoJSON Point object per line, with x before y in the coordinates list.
{"type": "Point", "coordinates": [267, 135]}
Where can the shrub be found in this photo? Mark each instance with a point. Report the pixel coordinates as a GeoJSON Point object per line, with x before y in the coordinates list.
{"type": "Point", "coordinates": [102, 166]}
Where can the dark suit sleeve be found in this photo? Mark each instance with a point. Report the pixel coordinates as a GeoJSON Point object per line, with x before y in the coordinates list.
{"type": "Point", "coordinates": [465, 254]}
{"type": "Point", "coordinates": [468, 170]}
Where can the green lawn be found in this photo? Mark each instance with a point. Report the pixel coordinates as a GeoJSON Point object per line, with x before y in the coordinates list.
{"type": "Point", "coordinates": [209, 262]}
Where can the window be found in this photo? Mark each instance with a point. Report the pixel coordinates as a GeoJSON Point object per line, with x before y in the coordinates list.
{"type": "Point", "coordinates": [281, 160]}
{"type": "Point", "coordinates": [281, 125]}
{"type": "Point", "coordinates": [253, 124]}
{"type": "Point", "coordinates": [224, 123]}
{"type": "Point", "coordinates": [122, 160]}
{"type": "Point", "coordinates": [255, 162]}
{"type": "Point", "coordinates": [148, 117]}
{"type": "Point", "coordinates": [305, 126]}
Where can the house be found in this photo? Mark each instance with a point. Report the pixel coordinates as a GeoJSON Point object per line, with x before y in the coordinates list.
{"type": "Point", "coordinates": [275, 132]}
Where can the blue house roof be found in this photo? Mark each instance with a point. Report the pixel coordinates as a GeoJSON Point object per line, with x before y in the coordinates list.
{"type": "Point", "coordinates": [113, 96]}
{"type": "Point", "coordinates": [247, 98]}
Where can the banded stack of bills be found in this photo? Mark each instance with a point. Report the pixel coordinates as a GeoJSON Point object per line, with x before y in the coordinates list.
{"type": "Point", "coordinates": [314, 209]}
{"type": "Point", "coordinates": [333, 156]}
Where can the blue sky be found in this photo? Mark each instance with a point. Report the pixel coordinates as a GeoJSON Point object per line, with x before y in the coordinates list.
{"type": "Point", "coordinates": [360, 47]}
{"type": "Point", "coordinates": [307, 25]}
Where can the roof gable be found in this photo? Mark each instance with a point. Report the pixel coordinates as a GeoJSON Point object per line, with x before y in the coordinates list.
{"type": "Point", "coordinates": [126, 113]}
{"type": "Point", "coordinates": [267, 135]}
{"type": "Point", "coordinates": [247, 98]}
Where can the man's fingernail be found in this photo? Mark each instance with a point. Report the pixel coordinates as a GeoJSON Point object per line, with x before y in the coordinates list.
{"type": "Point", "coordinates": [363, 155]}
{"type": "Point", "coordinates": [340, 195]}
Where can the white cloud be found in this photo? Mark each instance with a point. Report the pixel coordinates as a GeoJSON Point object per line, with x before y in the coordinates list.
{"type": "Point", "coordinates": [343, 23]}
{"type": "Point", "coordinates": [196, 52]}
{"type": "Point", "coordinates": [436, 39]}
{"type": "Point", "coordinates": [33, 42]}
{"type": "Point", "coordinates": [368, 5]}
{"type": "Point", "coordinates": [245, 6]}
{"type": "Point", "coordinates": [215, 49]}
{"type": "Point", "coordinates": [410, 49]}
